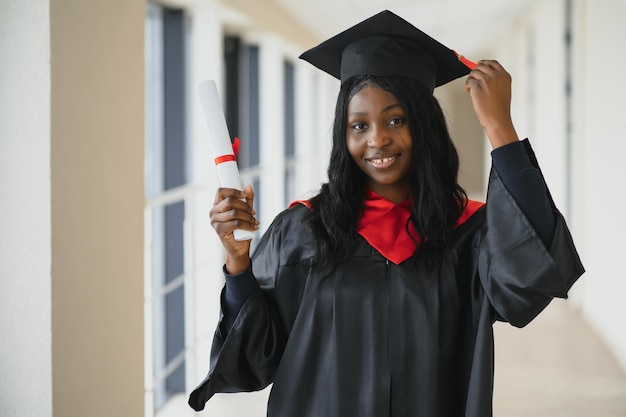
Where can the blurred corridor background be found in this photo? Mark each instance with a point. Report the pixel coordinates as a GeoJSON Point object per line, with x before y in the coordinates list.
{"type": "Point", "coordinates": [110, 272]}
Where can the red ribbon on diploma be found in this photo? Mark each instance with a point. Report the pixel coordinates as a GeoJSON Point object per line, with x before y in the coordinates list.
{"type": "Point", "coordinates": [229, 157]}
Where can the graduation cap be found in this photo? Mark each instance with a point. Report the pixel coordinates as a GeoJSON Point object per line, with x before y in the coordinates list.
{"type": "Point", "coordinates": [385, 44]}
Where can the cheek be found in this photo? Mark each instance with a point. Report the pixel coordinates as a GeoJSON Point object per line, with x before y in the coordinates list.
{"type": "Point", "coordinates": [353, 148]}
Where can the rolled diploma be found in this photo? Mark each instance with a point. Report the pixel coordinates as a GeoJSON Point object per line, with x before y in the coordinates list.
{"type": "Point", "coordinates": [227, 171]}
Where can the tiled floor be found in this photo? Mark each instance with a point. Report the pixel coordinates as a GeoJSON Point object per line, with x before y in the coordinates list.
{"type": "Point", "coordinates": [556, 367]}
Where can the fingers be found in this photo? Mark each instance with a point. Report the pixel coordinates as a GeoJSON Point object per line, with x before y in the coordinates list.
{"type": "Point", "coordinates": [223, 193]}
{"type": "Point", "coordinates": [249, 195]}
{"type": "Point", "coordinates": [486, 68]}
{"type": "Point", "coordinates": [486, 73]}
{"type": "Point", "coordinates": [487, 65]}
{"type": "Point", "coordinates": [233, 210]}
{"type": "Point", "coordinates": [225, 222]}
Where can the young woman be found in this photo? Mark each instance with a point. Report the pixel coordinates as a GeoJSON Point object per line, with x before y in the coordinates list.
{"type": "Point", "coordinates": [377, 296]}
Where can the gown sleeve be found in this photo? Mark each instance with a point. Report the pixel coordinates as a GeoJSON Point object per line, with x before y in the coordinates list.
{"type": "Point", "coordinates": [524, 181]}
{"type": "Point", "coordinates": [236, 291]}
{"type": "Point", "coordinates": [247, 349]}
{"type": "Point", "coordinates": [519, 273]}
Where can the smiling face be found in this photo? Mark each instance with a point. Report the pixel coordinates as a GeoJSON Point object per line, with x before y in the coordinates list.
{"type": "Point", "coordinates": [379, 141]}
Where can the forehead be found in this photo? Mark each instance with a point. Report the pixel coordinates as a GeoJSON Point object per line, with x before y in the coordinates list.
{"type": "Point", "coordinates": [371, 97]}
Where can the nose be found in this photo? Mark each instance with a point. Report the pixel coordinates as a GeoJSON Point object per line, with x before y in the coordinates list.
{"type": "Point", "coordinates": [379, 137]}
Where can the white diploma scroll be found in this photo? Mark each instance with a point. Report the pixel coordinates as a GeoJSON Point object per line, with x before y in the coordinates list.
{"type": "Point", "coordinates": [223, 153]}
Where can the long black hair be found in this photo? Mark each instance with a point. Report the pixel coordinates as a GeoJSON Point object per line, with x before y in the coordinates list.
{"type": "Point", "coordinates": [438, 199]}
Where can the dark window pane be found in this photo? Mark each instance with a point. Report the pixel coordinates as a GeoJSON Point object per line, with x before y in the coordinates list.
{"type": "Point", "coordinates": [232, 51]}
{"type": "Point", "coordinates": [174, 98]}
{"type": "Point", "coordinates": [175, 383]}
{"type": "Point", "coordinates": [174, 255]}
{"type": "Point", "coordinates": [290, 121]}
{"type": "Point", "coordinates": [249, 108]}
{"type": "Point", "coordinates": [241, 102]}
{"type": "Point", "coordinates": [253, 103]}
{"type": "Point", "coordinates": [256, 185]}
{"type": "Point", "coordinates": [174, 323]}
{"type": "Point", "coordinates": [290, 185]}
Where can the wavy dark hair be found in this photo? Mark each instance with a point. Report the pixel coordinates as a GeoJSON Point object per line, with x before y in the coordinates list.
{"type": "Point", "coordinates": [438, 199]}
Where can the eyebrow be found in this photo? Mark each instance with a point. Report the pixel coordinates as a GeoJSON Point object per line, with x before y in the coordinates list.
{"type": "Point", "coordinates": [386, 109]}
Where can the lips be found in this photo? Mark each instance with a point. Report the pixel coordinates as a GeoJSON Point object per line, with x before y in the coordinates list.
{"type": "Point", "coordinates": [382, 162]}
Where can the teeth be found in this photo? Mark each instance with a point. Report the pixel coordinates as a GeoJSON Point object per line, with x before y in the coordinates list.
{"type": "Point", "coordinates": [383, 160]}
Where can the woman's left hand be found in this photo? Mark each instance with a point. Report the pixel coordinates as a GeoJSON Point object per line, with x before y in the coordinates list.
{"type": "Point", "coordinates": [489, 85]}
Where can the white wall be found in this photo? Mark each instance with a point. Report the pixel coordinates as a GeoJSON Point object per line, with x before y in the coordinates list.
{"type": "Point", "coordinates": [314, 125]}
{"type": "Point", "coordinates": [600, 123]}
{"type": "Point", "coordinates": [548, 105]}
{"type": "Point", "coordinates": [587, 191]}
{"type": "Point", "coordinates": [272, 134]}
{"type": "Point", "coordinates": [468, 136]}
{"type": "Point", "coordinates": [25, 309]}
{"type": "Point", "coordinates": [534, 52]}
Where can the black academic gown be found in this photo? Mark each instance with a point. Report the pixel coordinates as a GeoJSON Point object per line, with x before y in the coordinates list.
{"type": "Point", "coordinates": [375, 339]}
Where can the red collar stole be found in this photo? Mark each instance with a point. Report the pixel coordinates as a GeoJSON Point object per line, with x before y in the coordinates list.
{"type": "Point", "coordinates": [386, 227]}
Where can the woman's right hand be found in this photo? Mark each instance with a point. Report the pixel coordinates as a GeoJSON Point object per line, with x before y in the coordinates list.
{"type": "Point", "coordinates": [232, 210]}
{"type": "Point", "coordinates": [489, 85]}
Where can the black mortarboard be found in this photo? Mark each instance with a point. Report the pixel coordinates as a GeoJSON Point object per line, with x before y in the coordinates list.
{"type": "Point", "coordinates": [386, 44]}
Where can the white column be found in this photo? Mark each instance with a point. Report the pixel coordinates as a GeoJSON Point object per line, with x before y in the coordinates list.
{"type": "Point", "coordinates": [328, 91]}
{"type": "Point", "coordinates": [548, 113]}
{"type": "Point", "coordinates": [204, 286]}
{"type": "Point", "coordinates": [316, 95]}
{"type": "Point", "coordinates": [306, 132]}
{"type": "Point", "coordinates": [25, 231]}
{"type": "Point", "coordinates": [272, 136]}
{"type": "Point", "coordinates": [600, 199]}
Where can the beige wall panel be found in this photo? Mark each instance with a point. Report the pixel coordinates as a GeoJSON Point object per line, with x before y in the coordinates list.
{"type": "Point", "coordinates": [97, 207]}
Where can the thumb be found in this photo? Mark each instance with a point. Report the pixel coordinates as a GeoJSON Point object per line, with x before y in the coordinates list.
{"type": "Point", "coordinates": [249, 194]}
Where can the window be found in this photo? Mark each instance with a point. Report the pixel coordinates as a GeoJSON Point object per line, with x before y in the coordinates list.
{"type": "Point", "coordinates": [241, 74]}
{"type": "Point", "coordinates": [165, 189]}
{"type": "Point", "coordinates": [182, 274]}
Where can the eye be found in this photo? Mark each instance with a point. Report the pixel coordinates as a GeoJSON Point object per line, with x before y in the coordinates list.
{"type": "Point", "coordinates": [396, 121]}
{"type": "Point", "coordinates": [358, 126]}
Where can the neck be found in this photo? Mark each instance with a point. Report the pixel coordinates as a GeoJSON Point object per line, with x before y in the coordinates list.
{"type": "Point", "coordinates": [394, 193]}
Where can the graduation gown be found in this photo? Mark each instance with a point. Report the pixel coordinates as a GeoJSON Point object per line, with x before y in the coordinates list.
{"type": "Point", "coordinates": [374, 339]}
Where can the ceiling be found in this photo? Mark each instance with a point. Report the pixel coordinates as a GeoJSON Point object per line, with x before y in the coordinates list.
{"type": "Point", "coordinates": [466, 26]}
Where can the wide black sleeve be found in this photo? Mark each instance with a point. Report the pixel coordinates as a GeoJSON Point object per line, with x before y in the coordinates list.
{"type": "Point", "coordinates": [520, 174]}
{"type": "Point", "coordinates": [245, 354]}
{"type": "Point", "coordinates": [520, 275]}
{"type": "Point", "coordinates": [237, 289]}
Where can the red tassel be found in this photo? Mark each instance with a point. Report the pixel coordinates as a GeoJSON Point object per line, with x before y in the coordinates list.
{"type": "Point", "coordinates": [469, 64]}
